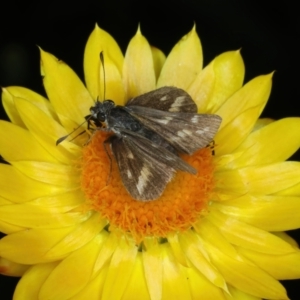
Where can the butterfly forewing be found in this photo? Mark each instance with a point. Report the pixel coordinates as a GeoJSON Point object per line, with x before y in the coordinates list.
{"type": "Point", "coordinates": [166, 99]}
{"type": "Point", "coordinates": [187, 132]}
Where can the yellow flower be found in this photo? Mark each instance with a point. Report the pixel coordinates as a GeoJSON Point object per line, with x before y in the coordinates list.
{"type": "Point", "coordinates": [214, 235]}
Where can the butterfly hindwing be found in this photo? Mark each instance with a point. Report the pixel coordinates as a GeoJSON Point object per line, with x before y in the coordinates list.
{"type": "Point", "coordinates": [144, 177]}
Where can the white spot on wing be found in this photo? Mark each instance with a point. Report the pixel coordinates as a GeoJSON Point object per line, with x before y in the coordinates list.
{"type": "Point", "coordinates": [179, 100]}
{"type": "Point", "coordinates": [194, 119]}
{"type": "Point", "coordinates": [177, 104]}
{"type": "Point", "coordinates": [129, 175]}
{"type": "Point", "coordinates": [163, 98]}
{"type": "Point", "coordinates": [170, 158]}
{"type": "Point", "coordinates": [130, 155]}
{"type": "Point", "coordinates": [165, 120]}
{"type": "Point", "coordinates": [181, 133]}
{"type": "Point", "coordinates": [143, 179]}
{"type": "Point", "coordinates": [188, 132]}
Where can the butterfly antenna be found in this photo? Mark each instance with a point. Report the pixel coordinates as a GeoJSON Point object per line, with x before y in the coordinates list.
{"type": "Point", "coordinates": [66, 136]}
{"type": "Point", "coordinates": [104, 80]}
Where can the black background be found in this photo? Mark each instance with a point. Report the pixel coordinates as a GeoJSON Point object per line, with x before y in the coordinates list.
{"type": "Point", "coordinates": [267, 33]}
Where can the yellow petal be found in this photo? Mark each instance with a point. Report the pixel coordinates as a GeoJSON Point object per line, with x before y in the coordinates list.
{"type": "Point", "coordinates": [210, 233]}
{"type": "Point", "coordinates": [259, 179]}
{"type": "Point", "coordinates": [284, 236]}
{"type": "Point", "coordinates": [138, 69]}
{"type": "Point", "coordinates": [201, 288]}
{"type": "Point", "coordinates": [10, 268]}
{"type": "Point", "coordinates": [240, 112]}
{"type": "Point", "coordinates": [290, 191]}
{"type": "Point", "coordinates": [262, 123]}
{"type": "Point", "coordinates": [120, 269]}
{"type": "Point", "coordinates": [258, 147]}
{"type": "Point", "coordinates": [100, 41]}
{"type": "Point", "coordinates": [13, 136]}
{"type": "Point", "coordinates": [153, 268]}
{"type": "Point", "coordinates": [158, 60]}
{"type": "Point", "coordinates": [10, 108]}
{"type": "Point", "coordinates": [66, 92]}
{"type": "Point", "coordinates": [241, 234]}
{"type": "Point", "coordinates": [137, 283]}
{"type": "Point", "coordinates": [94, 287]}
{"type": "Point", "coordinates": [33, 97]}
{"type": "Point", "coordinates": [37, 241]}
{"type": "Point", "coordinates": [218, 81]}
{"type": "Point", "coordinates": [30, 284]}
{"type": "Point", "coordinates": [254, 93]}
{"type": "Point", "coordinates": [109, 247]}
{"type": "Point", "coordinates": [285, 174]}
{"type": "Point", "coordinates": [281, 267]}
{"type": "Point", "coordinates": [4, 201]}
{"type": "Point", "coordinates": [48, 133]}
{"type": "Point", "coordinates": [63, 202]}
{"type": "Point", "coordinates": [237, 294]}
{"type": "Point", "coordinates": [232, 135]}
{"type": "Point", "coordinates": [271, 213]}
{"type": "Point", "coordinates": [79, 265]}
{"type": "Point", "coordinates": [224, 161]}
{"type": "Point", "coordinates": [44, 245]}
{"type": "Point", "coordinates": [246, 276]}
{"type": "Point", "coordinates": [7, 228]}
{"type": "Point", "coordinates": [56, 174]}
{"type": "Point", "coordinates": [175, 281]}
{"type": "Point", "coordinates": [82, 234]}
{"type": "Point", "coordinates": [28, 189]}
{"type": "Point", "coordinates": [197, 254]}
{"type": "Point", "coordinates": [30, 216]}
{"type": "Point", "coordinates": [183, 63]}
{"type": "Point", "coordinates": [176, 249]}
{"type": "Point", "coordinates": [202, 87]}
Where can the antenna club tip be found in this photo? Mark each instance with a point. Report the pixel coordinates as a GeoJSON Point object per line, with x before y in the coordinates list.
{"type": "Point", "coordinates": [60, 140]}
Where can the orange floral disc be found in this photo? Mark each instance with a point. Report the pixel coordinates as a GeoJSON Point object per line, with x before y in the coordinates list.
{"type": "Point", "coordinates": [183, 201]}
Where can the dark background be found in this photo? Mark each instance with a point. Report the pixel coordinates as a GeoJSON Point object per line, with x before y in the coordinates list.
{"type": "Point", "coordinates": [267, 35]}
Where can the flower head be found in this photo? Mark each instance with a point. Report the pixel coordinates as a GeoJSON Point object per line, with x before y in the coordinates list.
{"type": "Point", "coordinates": [73, 231]}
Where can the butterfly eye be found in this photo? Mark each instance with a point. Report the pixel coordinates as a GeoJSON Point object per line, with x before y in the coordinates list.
{"type": "Point", "coordinates": [101, 116]}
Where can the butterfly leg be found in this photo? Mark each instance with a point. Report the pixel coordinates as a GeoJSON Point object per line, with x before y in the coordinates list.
{"type": "Point", "coordinates": [211, 145]}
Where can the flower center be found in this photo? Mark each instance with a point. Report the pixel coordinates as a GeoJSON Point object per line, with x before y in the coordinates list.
{"type": "Point", "coordinates": [184, 200]}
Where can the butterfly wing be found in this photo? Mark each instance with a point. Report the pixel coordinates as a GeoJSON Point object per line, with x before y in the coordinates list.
{"type": "Point", "coordinates": [186, 132]}
{"type": "Point", "coordinates": [166, 99]}
{"type": "Point", "coordinates": [145, 167]}
{"type": "Point", "coordinates": [144, 177]}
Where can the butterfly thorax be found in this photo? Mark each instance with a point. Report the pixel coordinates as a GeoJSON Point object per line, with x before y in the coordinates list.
{"type": "Point", "coordinates": [119, 119]}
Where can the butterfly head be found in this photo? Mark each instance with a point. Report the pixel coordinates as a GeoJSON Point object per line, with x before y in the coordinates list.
{"type": "Point", "coordinates": [100, 112]}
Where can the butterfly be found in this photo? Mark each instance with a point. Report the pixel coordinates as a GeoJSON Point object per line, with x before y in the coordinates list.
{"type": "Point", "coordinates": [149, 133]}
